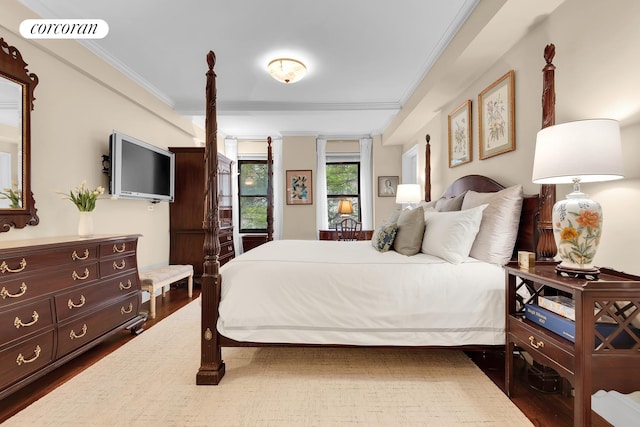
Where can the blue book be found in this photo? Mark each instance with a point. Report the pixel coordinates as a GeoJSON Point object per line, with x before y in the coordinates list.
{"type": "Point", "coordinates": [566, 328]}
{"type": "Point", "coordinates": [560, 325]}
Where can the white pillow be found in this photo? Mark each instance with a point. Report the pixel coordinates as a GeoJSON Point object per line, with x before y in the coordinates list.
{"type": "Point", "coordinates": [499, 228]}
{"type": "Point", "coordinates": [450, 235]}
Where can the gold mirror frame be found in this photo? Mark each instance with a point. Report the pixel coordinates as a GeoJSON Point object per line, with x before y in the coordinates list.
{"type": "Point", "coordinates": [14, 69]}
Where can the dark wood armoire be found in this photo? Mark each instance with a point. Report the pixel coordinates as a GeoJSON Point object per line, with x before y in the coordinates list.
{"type": "Point", "coordinates": [187, 211]}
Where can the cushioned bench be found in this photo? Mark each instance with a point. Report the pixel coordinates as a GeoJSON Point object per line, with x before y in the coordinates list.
{"type": "Point", "coordinates": [160, 277]}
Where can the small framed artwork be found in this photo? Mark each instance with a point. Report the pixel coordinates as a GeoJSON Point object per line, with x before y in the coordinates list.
{"type": "Point", "coordinates": [496, 117]}
{"type": "Point", "coordinates": [299, 187]}
{"type": "Point", "coordinates": [387, 186]}
{"type": "Point", "coordinates": [460, 135]}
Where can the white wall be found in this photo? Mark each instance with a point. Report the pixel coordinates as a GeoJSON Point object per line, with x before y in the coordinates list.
{"type": "Point", "coordinates": [79, 101]}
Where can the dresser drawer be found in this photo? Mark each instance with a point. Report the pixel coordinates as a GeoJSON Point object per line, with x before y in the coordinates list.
{"type": "Point", "coordinates": [24, 320]}
{"type": "Point", "coordinates": [78, 332]}
{"type": "Point", "coordinates": [82, 300]}
{"type": "Point", "coordinates": [225, 236]}
{"type": "Point", "coordinates": [537, 340]}
{"type": "Point", "coordinates": [117, 265]}
{"type": "Point", "coordinates": [17, 264]}
{"type": "Point", "coordinates": [123, 285]}
{"type": "Point", "coordinates": [26, 358]}
{"type": "Point", "coordinates": [20, 290]}
{"type": "Point", "coordinates": [122, 247]}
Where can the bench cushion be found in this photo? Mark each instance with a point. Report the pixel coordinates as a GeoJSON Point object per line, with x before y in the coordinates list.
{"type": "Point", "coordinates": [162, 274]}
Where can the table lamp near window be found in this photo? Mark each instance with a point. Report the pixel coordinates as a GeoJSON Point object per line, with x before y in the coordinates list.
{"type": "Point", "coordinates": [408, 194]}
{"type": "Point", "coordinates": [345, 208]}
{"type": "Point", "coordinates": [576, 152]}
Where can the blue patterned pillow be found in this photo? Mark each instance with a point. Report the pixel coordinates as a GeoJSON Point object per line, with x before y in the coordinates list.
{"type": "Point", "coordinates": [383, 237]}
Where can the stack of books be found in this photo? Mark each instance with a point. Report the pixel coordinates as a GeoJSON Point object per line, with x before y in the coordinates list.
{"type": "Point", "coordinates": [555, 313]}
{"type": "Point", "coordinates": [558, 314]}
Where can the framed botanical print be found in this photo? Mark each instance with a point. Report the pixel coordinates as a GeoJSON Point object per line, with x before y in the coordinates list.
{"type": "Point", "coordinates": [460, 135]}
{"type": "Point", "coordinates": [299, 187]}
{"type": "Point", "coordinates": [496, 117]}
{"type": "Point", "coordinates": [387, 186]}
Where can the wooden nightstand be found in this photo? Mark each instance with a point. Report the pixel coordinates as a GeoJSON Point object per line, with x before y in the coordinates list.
{"type": "Point", "coordinates": [333, 234]}
{"type": "Point", "coordinates": [592, 362]}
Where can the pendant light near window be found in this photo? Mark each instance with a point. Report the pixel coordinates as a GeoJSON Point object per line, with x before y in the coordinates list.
{"type": "Point", "coordinates": [287, 70]}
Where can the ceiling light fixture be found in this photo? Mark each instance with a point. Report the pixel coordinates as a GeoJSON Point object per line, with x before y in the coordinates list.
{"type": "Point", "coordinates": [287, 70]}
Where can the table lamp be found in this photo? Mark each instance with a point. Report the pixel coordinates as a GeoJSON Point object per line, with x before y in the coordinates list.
{"type": "Point", "coordinates": [576, 152]}
{"type": "Point", "coordinates": [408, 193]}
{"type": "Point", "coordinates": [345, 208]}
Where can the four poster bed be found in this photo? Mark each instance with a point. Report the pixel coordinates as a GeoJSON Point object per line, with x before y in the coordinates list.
{"type": "Point", "coordinates": [350, 294]}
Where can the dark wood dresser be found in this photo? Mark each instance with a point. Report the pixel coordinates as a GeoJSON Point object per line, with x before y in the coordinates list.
{"type": "Point", "coordinates": [187, 211]}
{"type": "Point", "coordinates": [61, 296]}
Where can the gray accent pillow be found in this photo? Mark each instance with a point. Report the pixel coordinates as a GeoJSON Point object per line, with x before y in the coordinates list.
{"type": "Point", "coordinates": [450, 204]}
{"type": "Point", "coordinates": [499, 227]}
{"type": "Point", "coordinates": [384, 236]}
{"type": "Point", "coordinates": [410, 231]}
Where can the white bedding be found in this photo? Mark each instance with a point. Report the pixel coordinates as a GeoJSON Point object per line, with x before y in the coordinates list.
{"type": "Point", "coordinates": [331, 292]}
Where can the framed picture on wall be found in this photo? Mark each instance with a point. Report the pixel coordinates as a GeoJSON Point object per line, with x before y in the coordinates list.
{"type": "Point", "coordinates": [460, 135]}
{"type": "Point", "coordinates": [496, 117]}
{"type": "Point", "coordinates": [387, 186]}
{"type": "Point", "coordinates": [299, 187]}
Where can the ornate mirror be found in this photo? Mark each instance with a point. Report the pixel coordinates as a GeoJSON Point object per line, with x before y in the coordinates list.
{"type": "Point", "coordinates": [17, 206]}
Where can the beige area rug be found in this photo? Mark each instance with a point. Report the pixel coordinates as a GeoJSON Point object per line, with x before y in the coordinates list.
{"type": "Point", "coordinates": [150, 381]}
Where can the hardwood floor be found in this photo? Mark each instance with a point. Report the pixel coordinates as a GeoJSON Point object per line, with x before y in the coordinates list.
{"type": "Point", "coordinates": [546, 410]}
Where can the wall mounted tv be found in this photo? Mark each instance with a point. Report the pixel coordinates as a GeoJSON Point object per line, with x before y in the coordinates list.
{"type": "Point", "coordinates": [139, 170]}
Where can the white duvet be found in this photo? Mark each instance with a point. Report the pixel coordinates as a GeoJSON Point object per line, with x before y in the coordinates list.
{"type": "Point", "coordinates": [331, 292]}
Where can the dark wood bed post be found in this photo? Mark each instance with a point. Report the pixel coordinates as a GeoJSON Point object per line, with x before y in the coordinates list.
{"type": "Point", "coordinates": [546, 248]}
{"type": "Point", "coordinates": [269, 190]}
{"type": "Point", "coordinates": [211, 365]}
{"type": "Point", "coordinates": [427, 169]}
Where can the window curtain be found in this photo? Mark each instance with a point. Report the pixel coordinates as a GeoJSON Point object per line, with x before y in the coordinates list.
{"type": "Point", "coordinates": [320, 198]}
{"type": "Point", "coordinates": [231, 152]}
{"type": "Point", "coordinates": [366, 186]}
{"type": "Point", "coordinates": [278, 188]}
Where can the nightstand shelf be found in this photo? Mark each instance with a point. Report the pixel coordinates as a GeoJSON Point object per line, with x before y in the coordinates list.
{"type": "Point", "coordinates": [593, 362]}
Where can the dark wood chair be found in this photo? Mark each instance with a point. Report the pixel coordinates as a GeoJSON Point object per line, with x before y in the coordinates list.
{"type": "Point", "coordinates": [349, 229]}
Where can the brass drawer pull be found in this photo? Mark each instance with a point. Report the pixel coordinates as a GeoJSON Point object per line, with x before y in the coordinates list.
{"type": "Point", "coordinates": [4, 267]}
{"type": "Point", "coordinates": [75, 275]}
{"type": "Point", "coordinates": [539, 344]}
{"type": "Point", "coordinates": [228, 238]}
{"type": "Point", "coordinates": [119, 267]}
{"type": "Point", "coordinates": [124, 287]}
{"type": "Point", "coordinates": [119, 251]}
{"type": "Point", "coordinates": [73, 335]}
{"type": "Point", "coordinates": [18, 321]}
{"type": "Point", "coordinates": [20, 360]}
{"type": "Point", "coordinates": [125, 311]}
{"type": "Point", "coordinates": [75, 256]}
{"type": "Point", "coordinates": [71, 304]}
{"type": "Point", "coordinates": [5, 293]}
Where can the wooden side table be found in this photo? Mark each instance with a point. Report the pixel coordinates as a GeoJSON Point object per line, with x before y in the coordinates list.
{"type": "Point", "coordinates": [594, 361]}
{"type": "Point", "coordinates": [333, 234]}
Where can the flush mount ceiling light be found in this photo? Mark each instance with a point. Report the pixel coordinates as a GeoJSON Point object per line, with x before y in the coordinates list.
{"type": "Point", "coordinates": [287, 70]}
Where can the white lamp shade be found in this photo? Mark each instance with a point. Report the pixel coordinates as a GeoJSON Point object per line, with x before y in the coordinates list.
{"type": "Point", "coordinates": [590, 150]}
{"type": "Point", "coordinates": [408, 193]}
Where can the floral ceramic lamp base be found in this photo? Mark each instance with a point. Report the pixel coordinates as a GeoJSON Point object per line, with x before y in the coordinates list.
{"type": "Point", "coordinates": [577, 227]}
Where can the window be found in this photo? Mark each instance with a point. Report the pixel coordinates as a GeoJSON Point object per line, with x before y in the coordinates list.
{"type": "Point", "coordinates": [252, 194]}
{"type": "Point", "coordinates": [343, 182]}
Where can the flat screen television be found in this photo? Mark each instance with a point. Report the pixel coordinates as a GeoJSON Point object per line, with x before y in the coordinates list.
{"type": "Point", "coordinates": [139, 170]}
